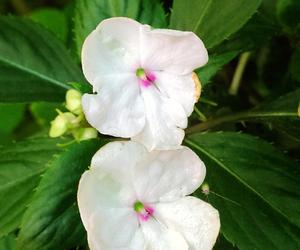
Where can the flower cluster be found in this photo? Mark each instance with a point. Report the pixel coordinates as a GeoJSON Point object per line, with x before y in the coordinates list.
{"type": "Point", "coordinates": [135, 194]}
{"type": "Point", "coordinates": [73, 121]}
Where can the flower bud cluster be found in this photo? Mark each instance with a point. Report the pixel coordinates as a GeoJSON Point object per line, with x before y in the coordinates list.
{"type": "Point", "coordinates": [73, 121]}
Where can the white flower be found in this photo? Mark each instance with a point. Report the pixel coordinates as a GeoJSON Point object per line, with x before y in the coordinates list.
{"type": "Point", "coordinates": [144, 81]}
{"type": "Point", "coordinates": [133, 199]}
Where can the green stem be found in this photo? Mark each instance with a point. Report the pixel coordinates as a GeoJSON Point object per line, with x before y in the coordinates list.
{"type": "Point", "coordinates": [201, 116]}
{"type": "Point", "coordinates": [235, 84]}
{"type": "Point", "coordinates": [209, 102]}
{"type": "Point", "coordinates": [250, 115]}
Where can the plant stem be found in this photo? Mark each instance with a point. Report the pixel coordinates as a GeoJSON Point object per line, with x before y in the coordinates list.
{"type": "Point", "coordinates": [235, 84]}
{"type": "Point", "coordinates": [209, 102]}
{"type": "Point", "coordinates": [250, 115]}
{"type": "Point", "coordinates": [201, 116]}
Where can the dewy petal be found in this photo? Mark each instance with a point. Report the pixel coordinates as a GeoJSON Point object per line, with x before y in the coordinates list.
{"type": "Point", "coordinates": [112, 48]}
{"type": "Point", "coordinates": [118, 109]}
{"type": "Point", "coordinates": [197, 220]}
{"type": "Point", "coordinates": [168, 175]}
{"type": "Point", "coordinates": [165, 121]}
{"type": "Point", "coordinates": [159, 237]}
{"type": "Point", "coordinates": [180, 88]}
{"type": "Point", "coordinates": [173, 51]}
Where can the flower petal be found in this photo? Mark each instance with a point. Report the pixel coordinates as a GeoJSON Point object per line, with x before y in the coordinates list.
{"type": "Point", "coordinates": [112, 48]}
{"type": "Point", "coordinates": [98, 190]}
{"type": "Point", "coordinates": [106, 211]}
{"type": "Point", "coordinates": [181, 89]}
{"type": "Point", "coordinates": [158, 237]}
{"type": "Point", "coordinates": [173, 51]}
{"type": "Point", "coordinates": [115, 228]}
{"type": "Point", "coordinates": [118, 109]}
{"type": "Point", "coordinates": [119, 159]}
{"type": "Point", "coordinates": [168, 175]}
{"type": "Point", "coordinates": [197, 220]}
{"type": "Point", "coordinates": [165, 119]}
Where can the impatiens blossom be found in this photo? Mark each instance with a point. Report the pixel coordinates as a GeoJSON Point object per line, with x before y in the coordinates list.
{"type": "Point", "coordinates": [131, 199]}
{"type": "Point", "coordinates": [144, 81]}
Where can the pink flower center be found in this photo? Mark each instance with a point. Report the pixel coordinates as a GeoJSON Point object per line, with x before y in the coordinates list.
{"type": "Point", "coordinates": [146, 78]}
{"type": "Point", "coordinates": [143, 212]}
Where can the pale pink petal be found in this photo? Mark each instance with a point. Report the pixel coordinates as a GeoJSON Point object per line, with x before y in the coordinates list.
{"type": "Point", "coordinates": [119, 159]}
{"type": "Point", "coordinates": [118, 108]}
{"type": "Point", "coordinates": [111, 49]}
{"type": "Point", "coordinates": [168, 175]}
{"type": "Point", "coordinates": [197, 220]}
{"type": "Point", "coordinates": [165, 121]}
{"type": "Point", "coordinates": [159, 237]}
{"type": "Point", "coordinates": [98, 190]}
{"type": "Point", "coordinates": [115, 229]}
{"type": "Point", "coordinates": [180, 88]}
{"type": "Point", "coordinates": [172, 51]}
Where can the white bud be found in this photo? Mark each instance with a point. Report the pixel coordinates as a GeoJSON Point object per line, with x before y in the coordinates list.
{"type": "Point", "coordinates": [61, 124]}
{"type": "Point", "coordinates": [73, 101]}
{"type": "Point", "coordinates": [81, 134]}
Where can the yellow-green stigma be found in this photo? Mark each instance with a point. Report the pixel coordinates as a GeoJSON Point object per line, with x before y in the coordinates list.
{"type": "Point", "coordinates": [140, 73]}
{"type": "Point", "coordinates": [138, 206]}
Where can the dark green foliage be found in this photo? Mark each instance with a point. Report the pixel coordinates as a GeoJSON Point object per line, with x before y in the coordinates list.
{"type": "Point", "coordinates": [212, 20]}
{"type": "Point", "coordinates": [38, 66]}
{"type": "Point", "coordinates": [260, 200]}
{"type": "Point", "coordinates": [52, 219]}
{"type": "Point", "coordinates": [21, 166]}
{"type": "Point", "coordinates": [252, 166]}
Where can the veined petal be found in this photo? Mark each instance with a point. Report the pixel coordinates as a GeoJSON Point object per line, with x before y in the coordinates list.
{"type": "Point", "coordinates": [168, 175]}
{"type": "Point", "coordinates": [112, 48]}
{"type": "Point", "coordinates": [180, 88]}
{"type": "Point", "coordinates": [118, 109]}
{"type": "Point", "coordinates": [197, 220]}
{"type": "Point", "coordinates": [159, 237]}
{"type": "Point", "coordinates": [177, 52]}
{"type": "Point", "coordinates": [165, 121]}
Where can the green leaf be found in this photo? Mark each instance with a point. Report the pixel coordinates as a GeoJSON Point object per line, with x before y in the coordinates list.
{"type": "Point", "coordinates": [89, 14]}
{"type": "Point", "coordinates": [212, 20]}
{"type": "Point", "coordinates": [44, 112]}
{"type": "Point", "coordinates": [52, 220]}
{"type": "Point", "coordinates": [288, 13]}
{"type": "Point", "coordinates": [53, 19]}
{"type": "Point", "coordinates": [10, 116]}
{"type": "Point", "coordinates": [21, 165]}
{"type": "Point", "coordinates": [215, 63]}
{"type": "Point", "coordinates": [257, 31]}
{"type": "Point", "coordinates": [223, 244]}
{"type": "Point", "coordinates": [35, 67]}
{"type": "Point", "coordinates": [255, 188]}
{"type": "Point", "coordinates": [281, 114]}
{"type": "Point", "coordinates": [8, 242]}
